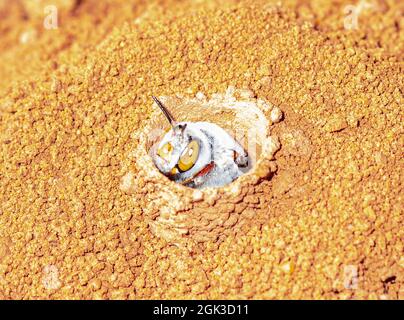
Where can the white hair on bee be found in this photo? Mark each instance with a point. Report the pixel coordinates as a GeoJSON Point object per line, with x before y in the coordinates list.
{"type": "Point", "coordinates": [198, 154]}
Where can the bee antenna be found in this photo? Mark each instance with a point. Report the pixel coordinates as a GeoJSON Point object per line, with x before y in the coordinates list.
{"type": "Point", "coordinates": [167, 113]}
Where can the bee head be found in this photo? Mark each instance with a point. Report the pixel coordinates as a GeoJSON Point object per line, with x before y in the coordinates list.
{"type": "Point", "coordinates": [182, 151]}
{"type": "Point", "coordinates": [178, 151]}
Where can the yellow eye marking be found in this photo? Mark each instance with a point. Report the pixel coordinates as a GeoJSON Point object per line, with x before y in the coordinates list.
{"type": "Point", "coordinates": [174, 170]}
{"type": "Point", "coordinates": [189, 156]}
{"type": "Point", "coordinates": [165, 151]}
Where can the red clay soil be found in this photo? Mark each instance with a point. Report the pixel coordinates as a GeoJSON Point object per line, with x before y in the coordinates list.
{"type": "Point", "coordinates": [326, 225]}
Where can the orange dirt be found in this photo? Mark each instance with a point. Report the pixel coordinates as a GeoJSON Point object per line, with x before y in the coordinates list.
{"type": "Point", "coordinates": [71, 99]}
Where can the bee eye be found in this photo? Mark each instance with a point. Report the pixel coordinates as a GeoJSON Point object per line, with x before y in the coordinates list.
{"type": "Point", "coordinates": [165, 151]}
{"type": "Point", "coordinates": [189, 156]}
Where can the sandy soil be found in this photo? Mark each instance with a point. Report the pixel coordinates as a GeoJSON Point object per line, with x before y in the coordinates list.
{"type": "Point", "coordinates": [329, 221]}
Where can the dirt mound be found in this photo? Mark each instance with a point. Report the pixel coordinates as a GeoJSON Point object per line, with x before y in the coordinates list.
{"type": "Point", "coordinates": [72, 100]}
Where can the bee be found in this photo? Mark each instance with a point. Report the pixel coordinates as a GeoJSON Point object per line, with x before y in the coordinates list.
{"type": "Point", "coordinates": [198, 154]}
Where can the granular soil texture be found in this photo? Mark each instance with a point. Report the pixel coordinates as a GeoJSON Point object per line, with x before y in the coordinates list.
{"type": "Point", "coordinates": [71, 99]}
